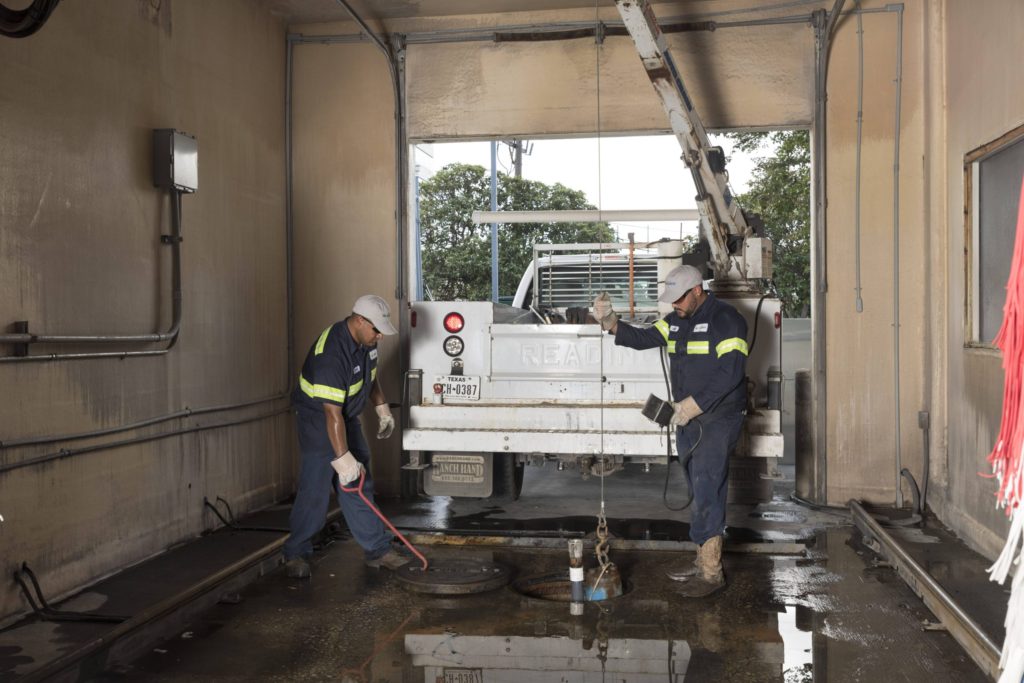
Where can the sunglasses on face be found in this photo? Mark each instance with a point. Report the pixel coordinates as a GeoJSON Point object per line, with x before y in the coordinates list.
{"type": "Point", "coordinates": [367, 321]}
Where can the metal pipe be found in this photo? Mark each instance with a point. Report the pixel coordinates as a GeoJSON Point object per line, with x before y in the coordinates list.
{"type": "Point", "coordinates": [585, 216]}
{"type": "Point", "coordinates": [959, 624]}
{"type": "Point", "coordinates": [896, 253]}
{"type": "Point", "coordinates": [858, 301]}
{"type": "Point", "coordinates": [818, 268]}
{"type": "Point", "coordinates": [67, 453]}
{"type": "Point", "coordinates": [289, 222]}
{"type": "Point", "coordinates": [577, 592]}
{"type": "Point", "coordinates": [171, 335]}
{"type": "Point", "coordinates": [187, 412]}
{"type": "Point", "coordinates": [570, 30]}
{"type": "Point", "coordinates": [494, 225]}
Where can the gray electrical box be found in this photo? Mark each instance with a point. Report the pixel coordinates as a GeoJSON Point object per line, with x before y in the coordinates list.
{"type": "Point", "coordinates": [175, 160]}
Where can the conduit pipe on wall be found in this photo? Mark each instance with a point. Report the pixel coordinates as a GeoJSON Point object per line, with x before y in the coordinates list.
{"type": "Point", "coordinates": [187, 412]}
{"type": "Point", "coordinates": [896, 249]}
{"type": "Point", "coordinates": [70, 452]}
{"type": "Point", "coordinates": [170, 336]}
{"type": "Point", "coordinates": [858, 301]}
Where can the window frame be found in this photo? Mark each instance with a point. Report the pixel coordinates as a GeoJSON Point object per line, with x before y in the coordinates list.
{"type": "Point", "coordinates": [972, 283]}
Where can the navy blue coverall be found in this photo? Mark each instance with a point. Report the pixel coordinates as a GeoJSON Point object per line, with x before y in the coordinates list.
{"type": "Point", "coordinates": [337, 370]}
{"type": "Point", "coordinates": [708, 359]}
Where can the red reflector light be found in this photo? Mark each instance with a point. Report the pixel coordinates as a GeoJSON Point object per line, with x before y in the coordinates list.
{"type": "Point", "coordinates": [454, 322]}
{"type": "Point", "coordinates": [778, 319]}
{"type": "Point", "coordinates": [412, 319]}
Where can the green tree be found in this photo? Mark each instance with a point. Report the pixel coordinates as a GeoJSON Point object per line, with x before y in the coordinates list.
{"type": "Point", "coordinates": [781, 192]}
{"type": "Point", "coordinates": [456, 254]}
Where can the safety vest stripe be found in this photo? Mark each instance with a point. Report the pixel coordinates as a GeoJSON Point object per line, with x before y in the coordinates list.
{"type": "Point", "coordinates": [373, 374]}
{"type": "Point", "coordinates": [733, 344]}
{"type": "Point", "coordinates": [354, 389]}
{"type": "Point", "coordinates": [697, 347]}
{"type": "Point", "coordinates": [321, 341]}
{"type": "Point", "coordinates": [321, 391]}
{"type": "Point", "coordinates": [671, 347]}
{"type": "Point", "coordinates": [662, 326]}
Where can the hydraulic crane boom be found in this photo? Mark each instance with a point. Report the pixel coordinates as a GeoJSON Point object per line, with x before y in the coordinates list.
{"type": "Point", "coordinates": [736, 253]}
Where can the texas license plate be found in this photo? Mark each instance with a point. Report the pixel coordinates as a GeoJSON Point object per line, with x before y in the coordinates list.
{"type": "Point", "coordinates": [463, 676]}
{"type": "Point", "coordinates": [462, 387]}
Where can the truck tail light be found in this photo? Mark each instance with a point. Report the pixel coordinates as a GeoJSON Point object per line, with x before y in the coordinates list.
{"type": "Point", "coordinates": [454, 322]}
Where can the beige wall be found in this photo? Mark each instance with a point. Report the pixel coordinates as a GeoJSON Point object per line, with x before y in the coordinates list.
{"type": "Point", "coordinates": [758, 76]}
{"type": "Point", "coordinates": [79, 254]}
{"type": "Point", "coordinates": [983, 100]}
{"type": "Point", "coordinates": [861, 442]}
{"type": "Point", "coordinates": [344, 204]}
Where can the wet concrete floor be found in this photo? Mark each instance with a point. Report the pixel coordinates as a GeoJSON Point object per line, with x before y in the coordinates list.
{"type": "Point", "coordinates": [832, 615]}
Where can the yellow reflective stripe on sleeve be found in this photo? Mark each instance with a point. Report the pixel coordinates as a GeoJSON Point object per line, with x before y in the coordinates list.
{"type": "Point", "coordinates": [662, 326]}
{"type": "Point", "coordinates": [373, 374]}
{"type": "Point", "coordinates": [321, 391]}
{"type": "Point", "coordinates": [732, 344]}
{"type": "Point", "coordinates": [354, 389]}
{"type": "Point", "coordinates": [697, 347]}
{"type": "Point", "coordinates": [321, 341]}
{"type": "Point", "coordinates": [671, 347]}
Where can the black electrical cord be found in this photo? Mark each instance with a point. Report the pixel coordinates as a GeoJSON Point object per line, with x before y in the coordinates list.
{"type": "Point", "coordinates": [44, 611]}
{"type": "Point", "coordinates": [24, 22]}
{"type": "Point", "coordinates": [230, 520]}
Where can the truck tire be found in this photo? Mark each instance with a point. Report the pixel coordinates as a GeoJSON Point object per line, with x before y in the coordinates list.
{"type": "Point", "coordinates": [508, 477]}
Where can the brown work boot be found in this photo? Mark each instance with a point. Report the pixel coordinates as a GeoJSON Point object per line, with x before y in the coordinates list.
{"type": "Point", "coordinates": [389, 560]}
{"type": "Point", "coordinates": [710, 577]}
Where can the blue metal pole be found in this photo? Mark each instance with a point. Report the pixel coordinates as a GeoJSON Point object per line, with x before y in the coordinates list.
{"type": "Point", "coordinates": [494, 226]}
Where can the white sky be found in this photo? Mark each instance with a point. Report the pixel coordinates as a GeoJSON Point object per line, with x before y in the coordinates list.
{"type": "Point", "coordinates": [639, 172]}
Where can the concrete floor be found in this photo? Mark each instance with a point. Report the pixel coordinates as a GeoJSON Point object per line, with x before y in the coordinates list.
{"type": "Point", "coordinates": [832, 615]}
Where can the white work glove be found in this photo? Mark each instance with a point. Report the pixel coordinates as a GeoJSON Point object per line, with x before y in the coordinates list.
{"type": "Point", "coordinates": [347, 467]}
{"type": "Point", "coordinates": [685, 410]}
{"type": "Point", "coordinates": [386, 423]}
{"type": "Point", "coordinates": [603, 312]}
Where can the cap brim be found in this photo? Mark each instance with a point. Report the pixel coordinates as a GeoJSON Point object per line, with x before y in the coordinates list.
{"type": "Point", "coordinates": [385, 327]}
{"type": "Point", "coordinates": [671, 295]}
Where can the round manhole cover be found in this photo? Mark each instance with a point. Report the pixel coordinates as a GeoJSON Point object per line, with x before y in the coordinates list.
{"type": "Point", "coordinates": [454, 576]}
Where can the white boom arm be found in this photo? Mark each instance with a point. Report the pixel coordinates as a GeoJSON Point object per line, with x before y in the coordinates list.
{"type": "Point", "coordinates": [720, 216]}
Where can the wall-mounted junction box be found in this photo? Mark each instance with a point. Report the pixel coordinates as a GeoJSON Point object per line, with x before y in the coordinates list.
{"type": "Point", "coordinates": [175, 160]}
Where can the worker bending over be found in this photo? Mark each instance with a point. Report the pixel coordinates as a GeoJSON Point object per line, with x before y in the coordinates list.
{"type": "Point", "coordinates": [707, 348]}
{"type": "Point", "coordinates": [339, 374]}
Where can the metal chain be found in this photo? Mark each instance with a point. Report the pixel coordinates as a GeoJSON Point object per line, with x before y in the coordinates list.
{"type": "Point", "coordinates": [601, 549]}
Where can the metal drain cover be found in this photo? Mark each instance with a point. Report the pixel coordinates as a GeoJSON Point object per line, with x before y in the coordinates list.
{"type": "Point", "coordinates": [454, 576]}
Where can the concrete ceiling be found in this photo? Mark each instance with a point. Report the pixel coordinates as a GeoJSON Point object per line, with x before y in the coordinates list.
{"type": "Point", "coordinates": [314, 11]}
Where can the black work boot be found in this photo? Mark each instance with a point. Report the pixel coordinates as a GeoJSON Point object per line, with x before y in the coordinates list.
{"type": "Point", "coordinates": [710, 577]}
{"type": "Point", "coordinates": [297, 568]}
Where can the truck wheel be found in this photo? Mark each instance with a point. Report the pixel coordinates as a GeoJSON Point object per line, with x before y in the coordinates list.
{"type": "Point", "coordinates": [508, 477]}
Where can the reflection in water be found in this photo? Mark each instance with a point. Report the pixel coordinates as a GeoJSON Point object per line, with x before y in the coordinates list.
{"type": "Point", "coordinates": [797, 666]}
{"type": "Point", "coordinates": [454, 658]}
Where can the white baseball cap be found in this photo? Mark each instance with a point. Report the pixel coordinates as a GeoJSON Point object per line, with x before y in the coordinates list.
{"type": "Point", "coordinates": [678, 282]}
{"type": "Point", "coordinates": [376, 310]}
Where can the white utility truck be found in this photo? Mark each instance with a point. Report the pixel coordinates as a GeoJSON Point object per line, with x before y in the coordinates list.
{"type": "Point", "coordinates": [492, 388]}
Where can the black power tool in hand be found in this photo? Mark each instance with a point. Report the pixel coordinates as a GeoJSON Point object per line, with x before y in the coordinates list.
{"type": "Point", "coordinates": [658, 411]}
